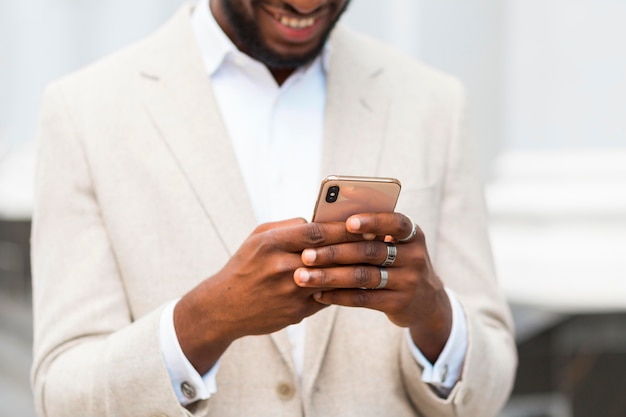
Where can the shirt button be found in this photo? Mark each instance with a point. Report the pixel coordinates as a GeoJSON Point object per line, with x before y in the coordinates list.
{"type": "Point", "coordinates": [285, 391]}
{"type": "Point", "coordinates": [188, 390]}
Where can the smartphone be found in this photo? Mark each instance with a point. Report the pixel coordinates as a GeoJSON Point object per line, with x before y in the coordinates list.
{"type": "Point", "coordinates": [342, 196]}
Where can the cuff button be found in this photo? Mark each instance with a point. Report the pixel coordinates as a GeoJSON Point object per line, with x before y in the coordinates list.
{"type": "Point", "coordinates": [188, 390]}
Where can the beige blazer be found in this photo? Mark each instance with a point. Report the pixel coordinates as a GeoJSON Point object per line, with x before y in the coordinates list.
{"type": "Point", "coordinates": [139, 198]}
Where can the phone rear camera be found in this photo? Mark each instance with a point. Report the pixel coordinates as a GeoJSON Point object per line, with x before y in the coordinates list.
{"type": "Point", "coordinates": [332, 194]}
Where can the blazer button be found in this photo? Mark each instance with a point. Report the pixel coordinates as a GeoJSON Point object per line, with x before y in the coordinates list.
{"type": "Point", "coordinates": [285, 391]}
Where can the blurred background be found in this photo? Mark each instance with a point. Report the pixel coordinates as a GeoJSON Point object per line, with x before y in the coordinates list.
{"type": "Point", "coordinates": [547, 87]}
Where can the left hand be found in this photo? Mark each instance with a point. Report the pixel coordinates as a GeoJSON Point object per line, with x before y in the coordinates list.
{"type": "Point", "coordinates": [414, 296]}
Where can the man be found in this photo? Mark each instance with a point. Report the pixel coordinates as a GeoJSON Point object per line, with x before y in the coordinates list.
{"type": "Point", "coordinates": [166, 278]}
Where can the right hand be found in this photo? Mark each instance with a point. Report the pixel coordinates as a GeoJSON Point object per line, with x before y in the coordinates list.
{"type": "Point", "coordinates": [255, 292]}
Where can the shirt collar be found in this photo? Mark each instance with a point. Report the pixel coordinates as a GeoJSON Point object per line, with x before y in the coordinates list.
{"type": "Point", "coordinates": [216, 47]}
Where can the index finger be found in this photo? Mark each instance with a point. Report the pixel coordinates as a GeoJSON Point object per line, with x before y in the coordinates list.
{"type": "Point", "coordinates": [296, 238]}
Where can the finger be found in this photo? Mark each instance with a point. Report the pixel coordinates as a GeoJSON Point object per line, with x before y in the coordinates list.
{"type": "Point", "coordinates": [297, 237]}
{"type": "Point", "coordinates": [358, 276]}
{"type": "Point", "coordinates": [361, 252]}
{"type": "Point", "coordinates": [393, 303]}
{"type": "Point", "coordinates": [396, 225]}
{"type": "Point", "coordinates": [374, 299]}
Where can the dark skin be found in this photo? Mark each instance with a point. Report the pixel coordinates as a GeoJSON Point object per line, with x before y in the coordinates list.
{"type": "Point", "coordinates": [286, 271]}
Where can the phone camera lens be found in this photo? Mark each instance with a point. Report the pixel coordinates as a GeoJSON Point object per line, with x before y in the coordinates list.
{"type": "Point", "coordinates": [332, 194]}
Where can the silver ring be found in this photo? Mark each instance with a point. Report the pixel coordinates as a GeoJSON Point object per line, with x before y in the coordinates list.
{"type": "Point", "coordinates": [412, 234]}
{"type": "Point", "coordinates": [384, 277]}
{"type": "Point", "coordinates": [391, 254]}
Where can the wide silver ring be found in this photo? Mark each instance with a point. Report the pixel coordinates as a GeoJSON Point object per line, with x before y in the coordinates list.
{"type": "Point", "coordinates": [384, 277]}
{"type": "Point", "coordinates": [392, 252]}
{"type": "Point", "coordinates": [412, 234]}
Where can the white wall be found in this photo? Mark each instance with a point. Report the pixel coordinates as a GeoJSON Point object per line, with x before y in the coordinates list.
{"type": "Point", "coordinates": [566, 74]}
{"type": "Point", "coordinates": [43, 39]}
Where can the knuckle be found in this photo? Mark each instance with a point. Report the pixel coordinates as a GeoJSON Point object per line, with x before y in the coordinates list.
{"type": "Point", "coordinates": [267, 241]}
{"type": "Point", "coordinates": [279, 266]}
{"type": "Point", "coordinates": [362, 276]}
{"type": "Point", "coordinates": [418, 260]}
{"type": "Point", "coordinates": [360, 299]}
{"type": "Point", "coordinates": [421, 263]}
{"type": "Point", "coordinates": [331, 252]}
{"type": "Point", "coordinates": [370, 250]}
{"type": "Point", "coordinates": [314, 233]}
{"type": "Point", "coordinates": [273, 269]}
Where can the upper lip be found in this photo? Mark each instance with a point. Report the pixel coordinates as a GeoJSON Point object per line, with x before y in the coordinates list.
{"type": "Point", "coordinates": [303, 12]}
{"type": "Point", "coordinates": [293, 13]}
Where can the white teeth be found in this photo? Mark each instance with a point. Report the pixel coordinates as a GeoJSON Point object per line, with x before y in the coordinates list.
{"type": "Point", "coordinates": [297, 23]}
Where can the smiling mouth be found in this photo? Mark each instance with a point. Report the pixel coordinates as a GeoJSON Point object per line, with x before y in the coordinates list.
{"type": "Point", "coordinates": [292, 19]}
{"type": "Point", "coordinates": [295, 23]}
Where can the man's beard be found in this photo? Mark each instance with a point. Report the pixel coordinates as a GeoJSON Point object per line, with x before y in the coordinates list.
{"type": "Point", "coordinates": [248, 39]}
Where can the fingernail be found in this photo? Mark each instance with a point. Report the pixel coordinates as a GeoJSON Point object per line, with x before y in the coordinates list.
{"type": "Point", "coordinates": [309, 255]}
{"type": "Point", "coordinates": [354, 223]}
{"type": "Point", "coordinates": [304, 276]}
{"type": "Point", "coordinates": [369, 236]}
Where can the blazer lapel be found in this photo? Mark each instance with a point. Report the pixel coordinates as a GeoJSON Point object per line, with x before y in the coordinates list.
{"type": "Point", "coordinates": [318, 330]}
{"type": "Point", "coordinates": [182, 107]}
{"type": "Point", "coordinates": [356, 111]}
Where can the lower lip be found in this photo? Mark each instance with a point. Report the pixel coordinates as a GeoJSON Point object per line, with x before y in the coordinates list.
{"type": "Point", "coordinates": [298, 35]}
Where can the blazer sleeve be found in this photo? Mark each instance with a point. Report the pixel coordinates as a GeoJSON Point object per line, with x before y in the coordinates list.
{"type": "Point", "coordinates": [462, 258]}
{"type": "Point", "coordinates": [91, 356]}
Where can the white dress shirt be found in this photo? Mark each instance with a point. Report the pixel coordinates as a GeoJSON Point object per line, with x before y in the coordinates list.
{"type": "Point", "coordinates": [277, 134]}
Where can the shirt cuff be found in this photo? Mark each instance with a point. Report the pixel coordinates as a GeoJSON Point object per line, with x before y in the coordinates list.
{"type": "Point", "coordinates": [187, 383]}
{"type": "Point", "coordinates": [446, 371]}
